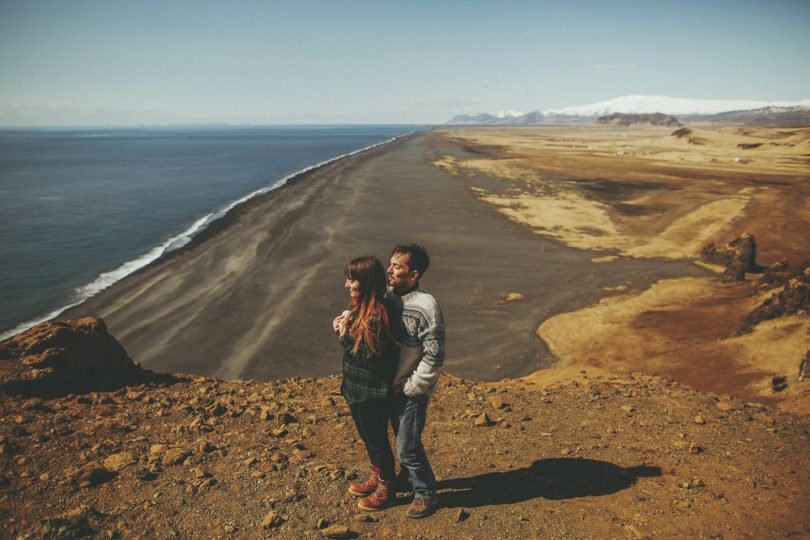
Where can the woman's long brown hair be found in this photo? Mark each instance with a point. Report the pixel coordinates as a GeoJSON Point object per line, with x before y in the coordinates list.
{"type": "Point", "coordinates": [368, 319]}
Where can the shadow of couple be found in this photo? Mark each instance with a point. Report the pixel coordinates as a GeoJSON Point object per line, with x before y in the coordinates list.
{"type": "Point", "coordinates": [552, 478]}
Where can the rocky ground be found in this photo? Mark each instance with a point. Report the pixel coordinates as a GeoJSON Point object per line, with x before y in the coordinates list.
{"type": "Point", "coordinates": [582, 456]}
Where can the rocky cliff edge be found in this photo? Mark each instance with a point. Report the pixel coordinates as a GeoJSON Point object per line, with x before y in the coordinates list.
{"type": "Point", "coordinates": [91, 445]}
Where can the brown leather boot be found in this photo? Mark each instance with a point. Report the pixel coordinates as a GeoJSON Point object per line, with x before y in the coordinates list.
{"type": "Point", "coordinates": [367, 487]}
{"type": "Point", "coordinates": [382, 498]}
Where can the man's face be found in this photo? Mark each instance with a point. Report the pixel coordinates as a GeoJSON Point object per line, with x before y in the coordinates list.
{"type": "Point", "coordinates": [400, 275]}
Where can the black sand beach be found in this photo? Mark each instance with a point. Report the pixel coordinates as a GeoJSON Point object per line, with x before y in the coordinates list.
{"type": "Point", "coordinates": [254, 295]}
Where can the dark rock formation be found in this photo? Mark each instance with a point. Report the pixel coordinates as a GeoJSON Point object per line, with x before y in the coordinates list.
{"type": "Point", "coordinates": [689, 135]}
{"type": "Point", "coordinates": [804, 367]}
{"type": "Point", "coordinates": [739, 257]}
{"type": "Point", "coordinates": [620, 119]}
{"type": "Point", "coordinates": [774, 276]}
{"type": "Point", "coordinates": [60, 358]}
{"type": "Point", "coordinates": [793, 299]}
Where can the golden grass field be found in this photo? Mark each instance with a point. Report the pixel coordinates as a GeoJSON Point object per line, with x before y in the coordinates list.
{"type": "Point", "coordinates": [661, 193]}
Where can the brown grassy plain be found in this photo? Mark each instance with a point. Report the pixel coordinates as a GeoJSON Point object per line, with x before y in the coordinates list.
{"type": "Point", "coordinates": [662, 193]}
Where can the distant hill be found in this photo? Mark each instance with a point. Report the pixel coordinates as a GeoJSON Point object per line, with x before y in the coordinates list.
{"type": "Point", "coordinates": [656, 119]}
{"type": "Point", "coordinates": [715, 112]}
{"type": "Point", "coordinates": [766, 116]}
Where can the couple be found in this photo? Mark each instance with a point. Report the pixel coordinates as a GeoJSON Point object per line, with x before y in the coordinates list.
{"type": "Point", "coordinates": [393, 342]}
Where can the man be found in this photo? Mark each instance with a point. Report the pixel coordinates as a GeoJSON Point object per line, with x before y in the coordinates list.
{"type": "Point", "coordinates": [420, 361]}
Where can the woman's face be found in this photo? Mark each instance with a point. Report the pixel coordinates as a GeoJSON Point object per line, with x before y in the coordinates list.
{"type": "Point", "coordinates": [352, 285]}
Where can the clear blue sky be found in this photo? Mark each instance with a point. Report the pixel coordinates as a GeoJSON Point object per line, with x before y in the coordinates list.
{"type": "Point", "coordinates": [90, 62]}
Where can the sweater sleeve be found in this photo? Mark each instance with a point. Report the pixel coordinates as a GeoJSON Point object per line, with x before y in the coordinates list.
{"type": "Point", "coordinates": [431, 335]}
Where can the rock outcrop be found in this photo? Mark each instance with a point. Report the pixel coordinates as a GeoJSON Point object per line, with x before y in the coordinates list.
{"type": "Point", "coordinates": [656, 119]}
{"type": "Point", "coordinates": [792, 299]}
{"type": "Point", "coordinates": [739, 257]}
{"type": "Point", "coordinates": [60, 358]}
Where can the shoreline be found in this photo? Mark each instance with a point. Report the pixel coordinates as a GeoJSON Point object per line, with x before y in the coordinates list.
{"type": "Point", "coordinates": [181, 240]}
{"type": "Point", "coordinates": [252, 296]}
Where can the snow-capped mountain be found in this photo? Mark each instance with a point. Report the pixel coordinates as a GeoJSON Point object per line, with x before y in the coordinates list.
{"type": "Point", "coordinates": [507, 114]}
{"type": "Point", "coordinates": [714, 110]}
{"type": "Point", "coordinates": [640, 104]}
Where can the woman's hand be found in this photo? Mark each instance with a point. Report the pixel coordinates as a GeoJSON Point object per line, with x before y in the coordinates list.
{"type": "Point", "coordinates": [339, 324]}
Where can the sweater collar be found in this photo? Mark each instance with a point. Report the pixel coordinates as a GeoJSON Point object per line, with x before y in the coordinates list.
{"type": "Point", "coordinates": [407, 291]}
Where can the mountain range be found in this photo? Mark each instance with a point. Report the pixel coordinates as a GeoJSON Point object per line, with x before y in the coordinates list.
{"type": "Point", "coordinates": [684, 109]}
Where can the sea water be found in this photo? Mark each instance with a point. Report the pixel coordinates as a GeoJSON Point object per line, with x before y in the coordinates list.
{"type": "Point", "coordinates": [81, 209]}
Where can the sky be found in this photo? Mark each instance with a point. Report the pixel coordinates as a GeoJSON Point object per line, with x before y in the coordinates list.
{"type": "Point", "coordinates": [114, 62]}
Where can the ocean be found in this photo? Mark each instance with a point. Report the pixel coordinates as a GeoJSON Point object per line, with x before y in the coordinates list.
{"type": "Point", "coordinates": [82, 208]}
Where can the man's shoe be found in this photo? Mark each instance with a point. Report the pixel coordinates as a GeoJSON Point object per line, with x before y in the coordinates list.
{"type": "Point", "coordinates": [382, 498]}
{"type": "Point", "coordinates": [366, 488]}
{"type": "Point", "coordinates": [421, 507]}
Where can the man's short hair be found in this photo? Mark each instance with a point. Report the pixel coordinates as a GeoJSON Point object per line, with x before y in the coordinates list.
{"type": "Point", "coordinates": [417, 257]}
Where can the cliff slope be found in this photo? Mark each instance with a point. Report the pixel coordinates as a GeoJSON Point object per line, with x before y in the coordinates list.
{"type": "Point", "coordinates": [562, 453]}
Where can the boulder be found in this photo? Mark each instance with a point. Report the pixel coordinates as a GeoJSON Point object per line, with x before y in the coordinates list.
{"type": "Point", "coordinates": [54, 359]}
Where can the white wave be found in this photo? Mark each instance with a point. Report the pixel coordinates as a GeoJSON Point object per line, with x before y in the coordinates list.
{"type": "Point", "coordinates": [176, 242]}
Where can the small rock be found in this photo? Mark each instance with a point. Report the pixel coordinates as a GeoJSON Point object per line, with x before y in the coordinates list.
{"type": "Point", "coordinates": [762, 417]}
{"type": "Point", "coordinates": [779, 383]}
{"type": "Point", "coordinates": [336, 531]}
{"type": "Point", "coordinates": [694, 448]}
{"type": "Point", "coordinates": [119, 461]}
{"type": "Point", "coordinates": [208, 482]}
{"type": "Point", "coordinates": [145, 475]}
{"type": "Point", "coordinates": [700, 420]}
{"type": "Point", "coordinates": [460, 515]}
{"type": "Point", "coordinates": [723, 406]}
{"type": "Point", "coordinates": [206, 447]}
{"type": "Point", "coordinates": [482, 420]}
{"type": "Point", "coordinates": [496, 401]}
{"type": "Point", "coordinates": [89, 474]}
{"type": "Point", "coordinates": [174, 456]}
{"type": "Point", "coordinates": [291, 496]}
{"type": "Point", "coordinates": [199, 473]}
{"type": "Point", "coordinates": [272, 520]}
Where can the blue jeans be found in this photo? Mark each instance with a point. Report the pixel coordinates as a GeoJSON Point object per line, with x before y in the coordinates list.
{"type": "Point", "coordinates": [412, 415]}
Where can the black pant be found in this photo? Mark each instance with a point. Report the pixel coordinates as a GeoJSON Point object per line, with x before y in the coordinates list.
{"type": "Point", "coordinates": [371, 418]}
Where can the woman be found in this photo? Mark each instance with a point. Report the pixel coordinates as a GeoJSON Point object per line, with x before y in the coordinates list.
{"type": "Point", "coordinates": [370, 354]}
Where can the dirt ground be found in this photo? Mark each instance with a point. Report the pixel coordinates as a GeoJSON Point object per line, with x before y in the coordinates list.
{"type": "Point", "coordinates": [662, 193]}
{"type": "Point", "coordinates": [563, 454]}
